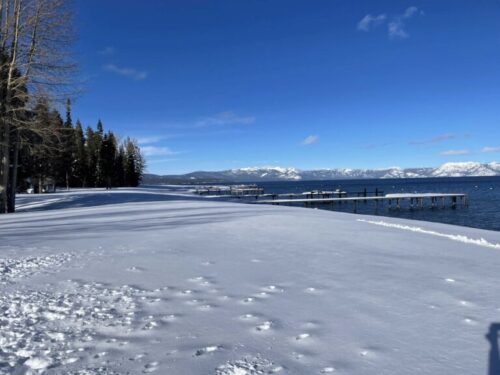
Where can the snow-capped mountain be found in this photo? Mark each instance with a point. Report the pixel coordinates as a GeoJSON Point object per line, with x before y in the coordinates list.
{"type": "Point", "coordinates": [255, 174]}
{"type": "Point", "coordinates": [467, 169]}
{"type": "Point", "coordinates": [273, 173]}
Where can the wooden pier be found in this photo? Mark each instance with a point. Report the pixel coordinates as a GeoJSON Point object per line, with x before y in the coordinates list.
{"type": "Point", "coordinates": [233, 190]}
{"type": "Point", "coordinates": [414, 200]}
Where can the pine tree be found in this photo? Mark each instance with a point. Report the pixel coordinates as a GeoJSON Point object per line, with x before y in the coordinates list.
{"type": "Point", "coordinates": [80, 168]}
{"type": "Point", "coordinates": [68, 148]}
{"type": "Point", "coordinates": [107, 159]}
{"type": "Point", "coordinates": [134, 163]}
{"type": "Point", "coordinates": [120, 167]}
{"type": "Point", "coordinates": [94, 140]}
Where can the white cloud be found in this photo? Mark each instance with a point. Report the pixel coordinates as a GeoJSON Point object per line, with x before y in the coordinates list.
{"type": "Point", "coordinates": [436, 139]}
{"type": "Point", "coordinates": [148, 140]}
{"type": "Point", "coordinates": [157, 151]}
{"type": "Point", "coordinates": [455, 152]}
{"type": "Point", "coordinates": [225, 118]}
{"type": "Point", "coordinates": [410, 12]}
{"type": "Point", "coordinates": [396, 28]}
{"type": "Point", "coordinates": [126, 72]}
{"type": "Point", "coordinates": [310, 139]}
{"type": "Point", "coordinates": [490, 149]}
{"type": "Point", "coordinates": [155, 161]}
{"type": "Point", "coordinates": [369, 22]}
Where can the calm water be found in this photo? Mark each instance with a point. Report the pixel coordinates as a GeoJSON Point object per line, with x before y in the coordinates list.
{"type": "Point", "coordinates": [484, 198]}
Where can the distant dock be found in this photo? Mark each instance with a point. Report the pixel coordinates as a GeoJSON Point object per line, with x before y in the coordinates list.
{"type": "Point", "coordinates": [333, 197]}
{"type": "Point", "coordinates": [414, 200]}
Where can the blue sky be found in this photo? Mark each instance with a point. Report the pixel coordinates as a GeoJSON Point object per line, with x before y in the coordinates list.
{"type": "Point", "coordinates": [212, 85]}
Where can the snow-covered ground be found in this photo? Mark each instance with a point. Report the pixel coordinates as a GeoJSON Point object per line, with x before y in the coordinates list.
{"type": "Point", "coordinates": [154, 280]}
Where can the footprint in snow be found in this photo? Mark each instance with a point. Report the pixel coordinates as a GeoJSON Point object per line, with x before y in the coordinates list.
{"type": "Point", "coordinates": [150, 367]}
{"type": "Point", "coordinates": [201, 280]}
{"type": "Point", "coordinates": [249, 366]}
{"type": "Point", "coordinates": [135, 269]}
{"type": "Point", "coordinates": [327, 370]}
{"type": "Point", "coordinates": [302, 336]}
{"type": "Point", "coordinates": [206, 307]}
{"type": "Point", "coordinates": [470, 321]}
{"type": "Point", "coordinates": [272, 289]}
{"type": "Point", "coordinates": [207, 350]}
{"type": "Point", "coordinates": [248, 317]}
{"type": "Point", "coordinates": [266, 326]}
{"type": "Point", "coordinates": [312, 290]}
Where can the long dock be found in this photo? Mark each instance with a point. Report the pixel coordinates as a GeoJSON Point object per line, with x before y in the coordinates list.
{"type": "Point", "coordinates": [415, 200]}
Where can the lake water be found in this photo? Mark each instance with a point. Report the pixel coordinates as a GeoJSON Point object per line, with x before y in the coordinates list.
{"type": "Point", "coordinates": [484, 198]}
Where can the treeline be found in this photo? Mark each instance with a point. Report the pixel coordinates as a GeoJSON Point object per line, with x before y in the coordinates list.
{"type": "Point", "coordinates": [36, 66]}
{"type": "Point", "coordinates": [74, 157]}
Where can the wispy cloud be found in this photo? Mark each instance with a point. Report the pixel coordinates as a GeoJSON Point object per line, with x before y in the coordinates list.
{"type": "Point", "coordinates": [369, 22]}
{"type": "Point", "coordinates": [373, 146]}
{"type": "Point", "coordinates": [225, 118]}
{"type": "Point", "coordinates": [488, 149]}
{"type": "Point", "coordinates": [397, 27]}
{"type": "Point", "coordinates": [107, 51]}
{"type": "Point", "coordinates": [148, 140]}
{"type": "Point", "coordinates": [455, 152]}
{"type": "Point", "coordinates": [157, 151]}
{"type": "Point", "coordinates": [155, 161]}
{"type": "Point", "coordinates": [437, 139]}
{"type": "Point", "coordinates": [138, 75]}
{"type": "Point", "coordinates": [310, 139]}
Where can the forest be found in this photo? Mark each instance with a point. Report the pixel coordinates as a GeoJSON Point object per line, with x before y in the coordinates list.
{"type": "Point", "coordinates": [39, 148]}
{"type": "Point", "coordinates": [74, 157]}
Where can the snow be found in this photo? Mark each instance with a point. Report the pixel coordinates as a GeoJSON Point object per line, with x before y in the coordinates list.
{"type": "Point", "coordinates": [156, 280]}
{"type": "Point", "coordinates": [459, 169]}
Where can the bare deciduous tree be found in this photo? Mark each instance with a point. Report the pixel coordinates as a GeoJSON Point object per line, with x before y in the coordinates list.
{"type": "Point", "coordinates": [35, 41]}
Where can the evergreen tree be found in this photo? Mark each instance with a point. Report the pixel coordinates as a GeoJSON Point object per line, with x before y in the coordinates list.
{"type": "Point", "coordinates": [68, 148]}
{"type": "Point", "coordinates": [107, 159]}
{"type": "Point", "coordinates": [93, 143]}
{"type": "Point", "coordinates": [80, 168]}
{"type": "Point", "coordinates": [58, 153]}
{"type": "Point", "coordinates": [134, 163]}
{"type": "Point", "coordinates": [120, 167]}
{"type": "Point", "coordinates": [45, 151]}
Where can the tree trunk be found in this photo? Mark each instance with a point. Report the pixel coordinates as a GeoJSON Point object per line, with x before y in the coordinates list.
{"type": "Point", "coordinates": [5, 168]}
{"type": "Point", "coordinates": [12, 186]}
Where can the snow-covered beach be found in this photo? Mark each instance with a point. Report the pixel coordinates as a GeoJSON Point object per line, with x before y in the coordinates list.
{"type": "Point", "coordinates": [157, 280]}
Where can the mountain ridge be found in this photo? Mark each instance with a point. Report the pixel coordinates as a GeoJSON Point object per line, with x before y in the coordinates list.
{"type": "Point", "coordinates": [272, 173]}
